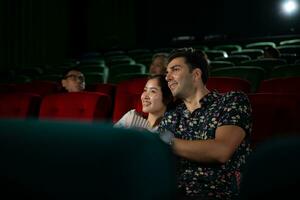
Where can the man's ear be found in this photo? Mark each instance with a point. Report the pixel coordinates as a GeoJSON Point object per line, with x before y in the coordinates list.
{"type": "Point", "coordinates": [197, 74]}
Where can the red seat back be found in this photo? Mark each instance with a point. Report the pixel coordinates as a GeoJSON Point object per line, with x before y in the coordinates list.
{"type": "Point", "coordinates": [86, 106]}
{"type": "Point", "coordinates": [7, 87]}
{"type": "Point", "coordinates": [19, 105]}
{"type": "Point", "coordinates": [281, 85]}
{"type": "Point", "coordinates": [226, 84]}
{"type": "Point", "coordinates": [106, 88]}
{"type": "Point", "coordinates": [127, 97]}
{"type": "Point", "coordinates": [39, 87]}
{"type": "Point", "coordinates": [273, 115]}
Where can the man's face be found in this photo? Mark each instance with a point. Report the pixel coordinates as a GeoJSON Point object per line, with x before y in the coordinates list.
{"type": "Point", "coordinates": [74, 81]}
{"type": "Point", "coordinates": [179, 77]}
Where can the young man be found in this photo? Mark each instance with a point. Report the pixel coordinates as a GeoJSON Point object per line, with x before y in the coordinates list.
{"type": "Point", "coordinates": [73, 80]}
{"type": "Point", "coordinates": [209, 132]}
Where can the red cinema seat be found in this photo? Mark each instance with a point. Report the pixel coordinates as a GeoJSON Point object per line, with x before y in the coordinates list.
{"type": "Point", "coordinates": [83, 106]}
{"type": "Point", "coordinates": [106, 88]}
{"type": "Point", "coordinates": [39, 87]}
{"type": "Point", "coordinates": [274, 115]}
{"type": "Point", "coordinates": [7, 87]}
{"type": "Point", "coordinates": [226, 84]}
{"type": "Point", "coordinates": [128, 97]}
{"type": "Point", "coordinates": [19, 105]}
{"type": "Point", "coordinates": [280, 85]}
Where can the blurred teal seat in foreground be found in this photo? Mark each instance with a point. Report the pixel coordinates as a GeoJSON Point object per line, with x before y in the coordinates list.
{"type": "Point", "coordinates": [66, 160]}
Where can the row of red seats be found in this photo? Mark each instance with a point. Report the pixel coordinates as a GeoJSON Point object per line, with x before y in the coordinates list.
{"type": "Point", "coordinates": [273, 113]}
{"type": "Point", "coordinates": [86, 106]}
{"type": "Point", "coordinates": [275, 109]}
{"type": "Point", "coordinates": [123, 96]}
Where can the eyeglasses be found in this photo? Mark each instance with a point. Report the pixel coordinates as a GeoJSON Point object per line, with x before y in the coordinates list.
{"type": "Point", "coordinates": [75, 77]}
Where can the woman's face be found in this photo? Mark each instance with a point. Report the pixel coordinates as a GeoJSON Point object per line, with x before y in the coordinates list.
{"type": "Point", "coordinates": [152, 98]}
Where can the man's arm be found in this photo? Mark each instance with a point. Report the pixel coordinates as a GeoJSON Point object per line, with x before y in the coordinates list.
{"type": "Point", "coordinates": [218, 150]}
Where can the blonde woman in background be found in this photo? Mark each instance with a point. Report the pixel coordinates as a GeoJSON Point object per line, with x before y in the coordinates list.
{"type": "Point", "coordinates": [158, 64]}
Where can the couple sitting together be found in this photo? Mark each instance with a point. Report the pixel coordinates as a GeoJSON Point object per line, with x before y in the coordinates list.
{"type": "Point", "coordinates": [208, 131]}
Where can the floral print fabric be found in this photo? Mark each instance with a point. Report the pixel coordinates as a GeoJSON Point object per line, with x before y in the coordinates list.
{"type": "Point", "coordinates": [211, 181]}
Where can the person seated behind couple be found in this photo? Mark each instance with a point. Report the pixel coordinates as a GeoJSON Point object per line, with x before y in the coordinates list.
{"type": "Point", "coordinates": [271, 52]}
{"type": "Point", "coordinates": [73, 80]}
{"type": "Point", "coordinates": [156, 99]}
{"type": "Point", "coordinates": [158, 64]}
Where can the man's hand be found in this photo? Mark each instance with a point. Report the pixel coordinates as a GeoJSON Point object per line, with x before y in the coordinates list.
{"type": "Point", "coordinates": [167, 137]}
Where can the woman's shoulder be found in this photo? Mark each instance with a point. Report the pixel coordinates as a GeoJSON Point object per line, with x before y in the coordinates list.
{"type": "Point", "coordinates": [123, 122]}
{"type": "Point", "coordinates": [132, 113]}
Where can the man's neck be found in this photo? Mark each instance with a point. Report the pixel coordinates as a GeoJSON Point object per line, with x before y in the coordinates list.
{"type": "Point", "coordinates": [193, 102]}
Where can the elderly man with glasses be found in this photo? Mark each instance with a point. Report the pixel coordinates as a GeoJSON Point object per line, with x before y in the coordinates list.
{"type": "Point", "coordinates": [73, 80]}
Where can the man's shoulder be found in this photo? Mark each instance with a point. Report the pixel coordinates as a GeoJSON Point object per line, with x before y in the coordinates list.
{"type": "Point", "coordinates": [235, 96]}
{"type": "Point", "coordinates": [234, 93]}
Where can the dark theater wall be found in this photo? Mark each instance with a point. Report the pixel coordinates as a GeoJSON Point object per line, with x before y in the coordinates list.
{"type": "Point", "coordinates": [49, 31]}
{"type": "Point", "coordinates": [111, 24]}
{"type": "Point", "coordinates": [33, 32]}
{"type": "Point", "coordinates": [162, 20]}
{"type": "Point", "coordinates": [99, 25]}
{"type": "Point", "coordinates": [38, 32]}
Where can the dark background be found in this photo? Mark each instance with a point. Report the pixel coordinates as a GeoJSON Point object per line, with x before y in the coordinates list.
{"type": "Point", "coordinates": [49, 31]}
{"type": "Point", "coordinates": [234, 18]}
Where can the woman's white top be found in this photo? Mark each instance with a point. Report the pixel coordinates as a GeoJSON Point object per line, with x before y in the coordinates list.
{"type": "Point", "coordinates": [132, 119]}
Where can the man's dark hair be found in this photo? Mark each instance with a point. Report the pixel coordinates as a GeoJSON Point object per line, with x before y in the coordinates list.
{"type": "Point", "coordinates": [194, 58]}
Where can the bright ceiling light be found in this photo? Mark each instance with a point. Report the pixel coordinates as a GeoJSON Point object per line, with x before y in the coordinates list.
{"type": "Point", "coordinates": [289, 7]}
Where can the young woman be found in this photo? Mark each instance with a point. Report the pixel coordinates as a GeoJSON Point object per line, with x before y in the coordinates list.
{"type": "Point", "coordinates": [156, 99]}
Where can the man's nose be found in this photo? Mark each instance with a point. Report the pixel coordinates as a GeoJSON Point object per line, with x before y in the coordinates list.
{"type": "Point", "coordinates": [168, 77]}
